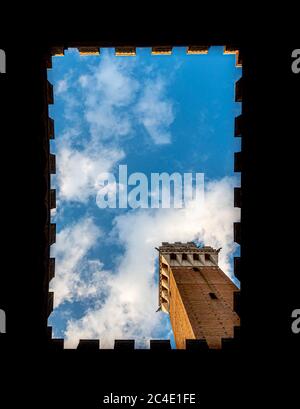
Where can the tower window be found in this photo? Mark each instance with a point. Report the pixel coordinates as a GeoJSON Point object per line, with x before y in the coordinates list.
{"type": "Point", "coordinates": [213, 296]}
{"type": "Point", "coordinates": [196, 257]}
{"type": "Point", "coordinates": [207, 257]}
{"type": "Point", "coordinates": [184, 256]}
{"type": "Point", "coordinates": [173, 256]}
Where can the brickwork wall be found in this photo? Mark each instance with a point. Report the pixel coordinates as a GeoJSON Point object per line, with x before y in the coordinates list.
{"type": "Point", "coordinates": [194, 314]}
{"type": "Point", "coordinates": [180, 321]}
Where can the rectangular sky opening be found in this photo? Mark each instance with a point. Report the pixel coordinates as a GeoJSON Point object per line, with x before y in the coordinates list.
{"type": "Point", "coordinates": [144, 154]}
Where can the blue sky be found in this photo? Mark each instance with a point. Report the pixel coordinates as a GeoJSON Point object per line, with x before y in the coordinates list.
{"type": "Point", "coordinates": [154, 114]}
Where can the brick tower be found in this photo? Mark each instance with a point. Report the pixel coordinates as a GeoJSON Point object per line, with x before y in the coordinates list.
{"type": "Point", "coordinates": [196, 293]}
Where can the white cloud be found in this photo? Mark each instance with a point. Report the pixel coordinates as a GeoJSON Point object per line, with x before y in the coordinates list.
{"type": "Point", "coordinates": [75, 275]}
{"type": "Point", "coordinates": [109, 88]}
{"type": "Point", "coordinates": [112, 102]}
{"type": "Point", "coordinates": [129, 310]}
{"type": "Point", "coordinates": [155, 111]}
{"type": "Point", "coordinates": [78, 170]}
{"type": "Point", "coordinates": [61, 86]}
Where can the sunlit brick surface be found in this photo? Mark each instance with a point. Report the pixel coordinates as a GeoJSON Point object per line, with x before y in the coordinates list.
{"type": "Point", "coordinates": [193, 313]}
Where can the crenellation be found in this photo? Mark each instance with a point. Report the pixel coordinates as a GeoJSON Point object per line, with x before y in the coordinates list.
{"type": "Point", "coordinates": [197, 49]}
{"type": "Point", "coordinates": [162, 50]}
{"type": "Point", "coordinates": [125, 51]}
{"type": "Point", "coordinates": [86, 51]}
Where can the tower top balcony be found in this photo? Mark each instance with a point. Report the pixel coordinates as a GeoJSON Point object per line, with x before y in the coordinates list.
{"type": "Point", "coordinates": [188, 248]}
